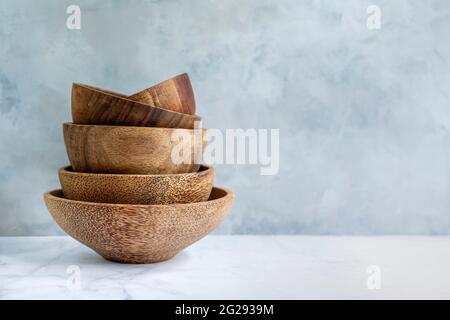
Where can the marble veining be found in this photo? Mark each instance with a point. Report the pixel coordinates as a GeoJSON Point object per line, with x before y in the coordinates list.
{"type": "Point", "coordinates": [233, 267]}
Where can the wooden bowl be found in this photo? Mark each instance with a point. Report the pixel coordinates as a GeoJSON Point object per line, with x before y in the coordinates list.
{"type": "Point", "coordinates": [92, 105]}
{"type": "Point", "coordinates": [138, 233]}
{"type": "Point", "coordinates": [175, 94]}
{"type": "Point", "coordinates": [132, 150]}
{"type": "Point", "coordinates": [137, 188]}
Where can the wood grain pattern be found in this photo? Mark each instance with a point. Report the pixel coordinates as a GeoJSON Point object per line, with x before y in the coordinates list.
{"type": "Point", "coordinates": [138, 233]}
{"type": "Point", "coordinates": [131, 150]}
{"type": "Point", "coordinates": [92, 105]}
{"type": "Point", "coordinates": [175, 94]}
{"type": "Point", "coordinates": [137, 189]}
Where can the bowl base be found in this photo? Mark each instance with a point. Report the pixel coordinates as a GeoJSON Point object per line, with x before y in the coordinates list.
{"type": "Point", "coordinates": [148, 260]}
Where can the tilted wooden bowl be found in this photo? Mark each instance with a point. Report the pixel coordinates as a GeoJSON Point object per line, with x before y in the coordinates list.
{"type": "Point", "coordinates": [175, 94]}
{"type": "Point", "coordinates": [92, 105]}
{"type": "Point", "coordinates": [137, 188]}
{"type": "Point", "coordinates": [132, 150]}
{"type": "Point", "coordinates": [138, 233]}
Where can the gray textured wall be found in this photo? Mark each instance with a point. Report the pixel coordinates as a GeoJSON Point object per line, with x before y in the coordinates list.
{"type": "Point", "coordinates": [364, 115]}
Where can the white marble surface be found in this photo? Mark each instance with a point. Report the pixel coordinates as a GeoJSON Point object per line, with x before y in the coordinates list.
{"type": "Point", "coordinates": [233, 267]}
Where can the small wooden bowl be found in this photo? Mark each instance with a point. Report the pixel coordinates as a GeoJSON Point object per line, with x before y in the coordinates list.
{"type": "Point", "coordinates": [131, 150]}
{"type": "Point", "coordinates": [138, 233]}
{"type": "Point", "coordinates": [175, 94]}
{"type": "Point", "coordinates": [137, 188]}
{"type": "Point", "coordinates": [92, 105]}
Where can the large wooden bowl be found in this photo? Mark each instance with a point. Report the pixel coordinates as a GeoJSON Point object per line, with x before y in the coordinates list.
{"type": "Point", "coordinates": [138, 233]}
{"type": "Point", "coordinates": [132, 150]}
{"type": "Point", "coordinates": [92, 105]}
{"type": "Point", "coordinates": [137, 188]}
{"type": "Point", "coordinates": [175, 94]}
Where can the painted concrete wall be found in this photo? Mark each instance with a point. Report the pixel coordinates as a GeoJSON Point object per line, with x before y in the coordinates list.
{"type": "Point", "coordinates": [364, 115]}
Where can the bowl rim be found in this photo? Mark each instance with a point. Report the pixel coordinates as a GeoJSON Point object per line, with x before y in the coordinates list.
{"type": "Point", "coordinates": [50, 195]}
{"type": "Point", "coordinates": [104, 126]}
{"type": "Point", "coordinates": [206, 170]}
{"type": "Point", "coordinates": [120, 96]}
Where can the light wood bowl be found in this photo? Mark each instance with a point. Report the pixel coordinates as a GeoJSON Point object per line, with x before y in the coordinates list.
{"type": "Point", "coordinates": [137, 188]}
{"type": "Point", "coordinates": [92, 105]}
{"type": "Point", "coordinates": [131, 150]}
{"type": "Point", "coordinates": [175, 94]}
{"type": "Point", "coordinates": [138, 233]}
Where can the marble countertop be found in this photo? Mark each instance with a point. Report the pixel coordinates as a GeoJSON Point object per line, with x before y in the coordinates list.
{"type": "Point", "coordinates": [233, 267]}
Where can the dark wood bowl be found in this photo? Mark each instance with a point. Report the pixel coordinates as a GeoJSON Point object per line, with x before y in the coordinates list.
{"type": "Point", "coordinates": [97, 106]}
{"type": "Point", "coordinates": [132, 150]}
{"type": "Point", "coordinates": [175, 94]}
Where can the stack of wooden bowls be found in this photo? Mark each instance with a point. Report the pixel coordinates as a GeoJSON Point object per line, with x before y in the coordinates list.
{"type": "Point", "coordinates": [124, 196]}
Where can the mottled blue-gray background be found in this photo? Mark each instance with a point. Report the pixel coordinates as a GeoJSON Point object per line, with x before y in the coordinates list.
{"type": "Point", "coordinates": [364, 115]}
